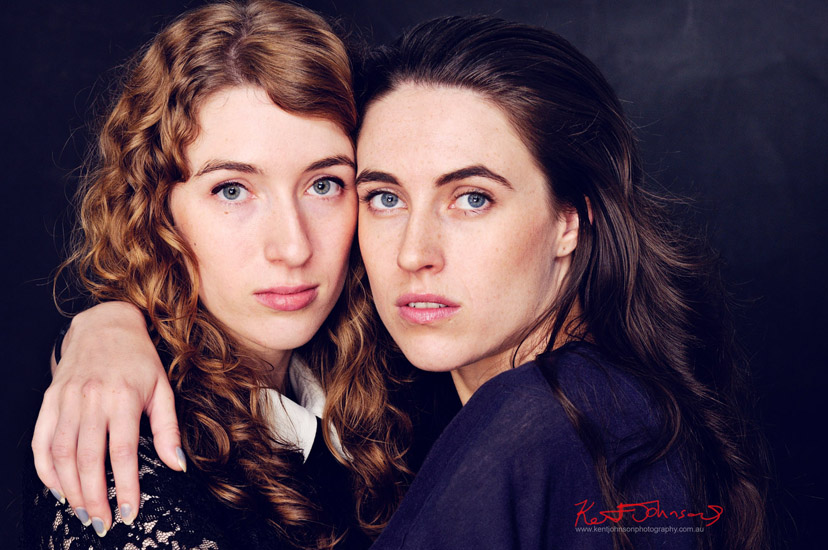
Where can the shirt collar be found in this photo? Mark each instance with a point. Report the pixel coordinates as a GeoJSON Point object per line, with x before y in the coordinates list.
{"type": "Point", "coordinates": [296, 423]}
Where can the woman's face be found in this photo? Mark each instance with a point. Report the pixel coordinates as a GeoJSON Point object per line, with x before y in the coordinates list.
{"type": "Point", "coordinates": [463, 248]}
{"type": "Point", "coordinates": [269, 211]}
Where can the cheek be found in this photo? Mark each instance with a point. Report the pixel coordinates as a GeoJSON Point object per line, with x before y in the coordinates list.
{"type": "Point", "coordinates": [218, 250]}
{"type": "Point", "coordinates": [367, 240]}
{"type": "Point", "coordinates": [515, 261]}
{"type": "Point", "coordinates": [332, 234]}
{"type": "Point", "coordinates": [215, 243]}
{"type": "Point", "coordinates": [194, 221]}
{"type": "Point", "coordinates": [536, 273]}
{"type": "Point", "coordinates": [219, 282]}
{"type": "Point", "coordinates": [221, 260]}
{"type": "Point", "coordinates": [378, 250]}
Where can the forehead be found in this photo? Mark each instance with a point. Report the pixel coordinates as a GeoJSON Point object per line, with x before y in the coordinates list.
{"type": "Point", "coordinates": [243, 123]}
{"type": "Point", "coordinates": [428, 131]}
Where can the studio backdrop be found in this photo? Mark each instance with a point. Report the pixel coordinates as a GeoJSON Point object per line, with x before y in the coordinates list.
{"type": "Point", "coordinates": [730, 101]}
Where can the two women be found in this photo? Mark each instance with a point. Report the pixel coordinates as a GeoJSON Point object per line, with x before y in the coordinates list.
{"type": "Point", "coordinates": [503, 222]}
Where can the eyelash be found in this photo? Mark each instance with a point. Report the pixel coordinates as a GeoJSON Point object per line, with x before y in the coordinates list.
{"type": "Point", "coordinates": [338, 181]}
{"type": "Point", "coordinates": [369, 196]}
{"type": "Point", "coordinates": [489, 200]}
{"type": "Point", "coordinates": [373, 193]}
{"type": "Point", "coordinates": [224, 185]}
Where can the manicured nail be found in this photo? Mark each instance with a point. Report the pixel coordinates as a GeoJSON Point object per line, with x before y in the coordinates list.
{"type": "Point", "coordinates": [98, 526]}
{"type": "Point", "coordinates": [126, 514]}
{"type": "Point", "coordinates": [58, 495]}
{"type": "Point", "coordinates": [182, 460]}
{"type": "Point", "coordinates": [83, 516]}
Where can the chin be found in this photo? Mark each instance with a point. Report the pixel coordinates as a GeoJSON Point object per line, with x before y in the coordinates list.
{"type": "Point", "coordinates": [278, 336]}
{"type": "Point", "coordinates": [433, 360]}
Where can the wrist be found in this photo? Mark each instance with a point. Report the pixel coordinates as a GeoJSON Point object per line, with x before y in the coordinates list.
{"type": "Point", "coordinates": [57, 348]}
{"type": "Point", "coordinates": [108, 315]}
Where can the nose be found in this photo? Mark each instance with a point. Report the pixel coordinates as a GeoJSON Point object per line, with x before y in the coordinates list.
{"type": "Point", "coordinates": [421, 249]}
{"type": "Point", "coordinates": [286, 237]}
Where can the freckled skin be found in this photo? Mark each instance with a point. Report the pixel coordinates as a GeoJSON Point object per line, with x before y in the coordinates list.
{"type": "Point", "coordinates": [277, 231]}
{"type": "Point", "coordinates": [502, 263]}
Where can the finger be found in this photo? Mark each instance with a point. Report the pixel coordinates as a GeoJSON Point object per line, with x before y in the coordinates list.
{"type": "Point", "coordinates": [63, 448]}
{"type": "Point", "coordinates": [124, 429]}
{"type": "Point", "coordinates": [44, 432]}
{"type": "Point", "coordinates": [91, 458]}
{"type": "Point", "coordinates": [164, 424]}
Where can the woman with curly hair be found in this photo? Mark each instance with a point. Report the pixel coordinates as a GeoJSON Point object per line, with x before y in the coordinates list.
{"type": "Point", "coordinates": [221, 206]}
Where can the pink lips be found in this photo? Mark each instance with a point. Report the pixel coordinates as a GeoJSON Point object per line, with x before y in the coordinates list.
{"type": "Point", "coordinates": [287, 298]}
{"type": "Point", "coordinates": [425, 308]}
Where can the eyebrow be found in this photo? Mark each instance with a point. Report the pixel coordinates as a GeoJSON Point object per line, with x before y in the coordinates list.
{"type": "Point", "coordinates": [234, 166]}
{"type": "Point", "coordinates": [477, 170]}
{"type": "Point", "coordinates": [336, 160]}
{"type": "Point", "coordinates": [216, 165]}
{"type": "Point", "coordinates": [376, 176]}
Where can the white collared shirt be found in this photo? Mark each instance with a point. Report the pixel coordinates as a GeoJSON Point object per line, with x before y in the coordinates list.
{"type": "Point", "coordinates": [295, 423]}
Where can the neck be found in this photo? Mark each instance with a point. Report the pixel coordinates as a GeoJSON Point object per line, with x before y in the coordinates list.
{"type": "Point", "coordinates": [279, 361]}
{"type": "Point", "coordinates": [274, 364]}
{"type": "Point", "coordinates": [468, 378]}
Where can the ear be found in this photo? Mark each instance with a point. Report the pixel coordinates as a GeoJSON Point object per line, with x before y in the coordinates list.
{"type": "Point", "coordinates": [568, 225]}
{"type": "Point", "coordinates": [589, 210]}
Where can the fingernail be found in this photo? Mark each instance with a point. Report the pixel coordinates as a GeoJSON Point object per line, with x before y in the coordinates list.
{"type": "Point", "coordinates": [83, 516]}
{"type": "Point", "coordinates": [58, 495]}
{"type": "Point", "coordinates": [182, 460]}
{"type": "Point", "coordinates": [126, 514]}
{"type": "Point", "coordinates": [98, 526]}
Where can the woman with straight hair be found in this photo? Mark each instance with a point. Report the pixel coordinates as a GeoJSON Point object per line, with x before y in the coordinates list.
{"type": "Point", "coordinates": [508, 238]}
{"type": "Point", "coordinates": [220, 205]}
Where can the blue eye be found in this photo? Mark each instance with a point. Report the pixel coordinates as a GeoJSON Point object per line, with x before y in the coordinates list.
{"type": "Point", "coordinates": [326, 187]}
{"type": "Point", "coordinates": [230, 191]}
{"type": "Point", "coordinates": [472, 201]}
{"type": "Point", "coordinates": [384, 201]}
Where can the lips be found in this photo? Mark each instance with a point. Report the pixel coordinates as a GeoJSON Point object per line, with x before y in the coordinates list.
{"type": "Point", "coordinates": [287, 298]}
{"type": "Point", "coordinates": [423, 309]}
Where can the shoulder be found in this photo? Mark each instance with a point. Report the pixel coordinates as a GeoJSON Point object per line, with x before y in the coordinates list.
{"type": "Point", "coordinates": [171, 502]}
{"type": "Point", "coordinates": [578, 366]}
{"type": "Point", "coordinates": [175, 512]}
{"type": "Point", "coordinates": [579, 374]}
{"type": "Point", "coordinates": [180, 509]}
{"type": "Point", "coordinates": [505, 473]}
{"type": "Point", "coordinates": [514, 411]}
{"type": "Point", "coordinates": [512, 429]}
{"type": "Point", "coordinates": [511, 469]}
{"type": "Point", "coordinates": [522, 423]}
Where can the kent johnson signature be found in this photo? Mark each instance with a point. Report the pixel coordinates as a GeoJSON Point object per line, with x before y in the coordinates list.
{"type": "Point", "coordinates": [642, 511]}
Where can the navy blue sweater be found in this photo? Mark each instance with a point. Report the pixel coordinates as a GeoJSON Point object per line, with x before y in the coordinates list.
{"type": "Point", "coordinates": [510, 471]}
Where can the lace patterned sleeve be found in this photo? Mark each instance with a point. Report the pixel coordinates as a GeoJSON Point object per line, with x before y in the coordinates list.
{"type": "Point", "coordinates": [175, 514]}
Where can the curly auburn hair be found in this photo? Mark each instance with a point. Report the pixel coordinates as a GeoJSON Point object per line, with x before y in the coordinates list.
{"type": "Point", "coordinates": [127, 248]}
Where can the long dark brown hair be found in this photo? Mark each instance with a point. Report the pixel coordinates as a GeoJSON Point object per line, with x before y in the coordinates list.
{"type": "Point", "coordinates": [638, 287]}
{"type": "Point", "coordinates": [127, 247]}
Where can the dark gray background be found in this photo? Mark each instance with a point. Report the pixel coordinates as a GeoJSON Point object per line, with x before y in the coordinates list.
{"type": "Point", "coordinates": [730, 98]}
